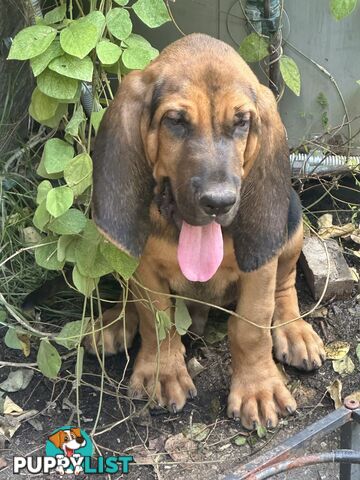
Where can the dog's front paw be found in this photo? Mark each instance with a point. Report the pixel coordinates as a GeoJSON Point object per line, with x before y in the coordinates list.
{"type": "Point", "coordinates": [167, 384]}
{"type": "Point", "coordinates": [257, 398]}
{"type": "Point", "coordinates": [298, 345]}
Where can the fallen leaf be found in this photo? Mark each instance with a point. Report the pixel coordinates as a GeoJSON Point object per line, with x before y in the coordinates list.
{"type": "Point", "coordinates": [336, 231]}
{"type": "Point", "coordinates": [337, 350]}
{"type": "Point", "coordinates": [354, 274]}
{"type": "Point", "coordinates": [145, 456]}
{"type": "Point", "coordinates": [180, 448]}
{"type": "Point", "coordinates": [10, 407]}
{"type": "Point", "coordinates": [355, 236]}
{"type": "Point", "coordinates": [31, 236]}
{"type": "Point", "coordinates": [17, 380]}
{"type": "Point", "coordinates": [320, 313]}
{"type": "Point", "coordinates": [335, 392]}
{"type": "Point", "coordinates": [197, 432]}
{"type": "Point", "coordinates": [306, 230]}
{"type": "Point", "coordinates": [35, 423]}
{"type": "Point", "coordinates": [358, 351]}
{"type": "Point", "coordinates": [344, 366]}
{"type": "Point", "coordinates": [224, 447]}
{"type": "Point", "coordinates": [157, 443]}
{"type": "Point", "coordinates": [194, 367]}
{"type": "Point", "coordinates": [325, 221]}
{"type": "Point", "coordinates": [149, 455]}
{"type": "Point", "coordinates": [328, 230]}
{"type": "Point", "coordinates": [8, 426]}
{"type": "Point", "coordinates": [25, 344]}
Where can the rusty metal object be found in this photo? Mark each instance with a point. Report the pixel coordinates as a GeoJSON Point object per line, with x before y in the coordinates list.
{"type": "Point", "coordinates": [283, 457]}
{"type": "Point", "coordinates": [282, 452]}
{"type": "Point", "coordinates": [350, 438]}
{"type": "Point", "coordinates": [336, 456]}
{"type": "Point", "coordinates": [351, 403]}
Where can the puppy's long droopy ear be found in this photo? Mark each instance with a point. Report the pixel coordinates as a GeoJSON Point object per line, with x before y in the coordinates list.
{"type": "Point", "coordinates": [123, 183]}
{"type": "Point", "coordinates": [261, 226]}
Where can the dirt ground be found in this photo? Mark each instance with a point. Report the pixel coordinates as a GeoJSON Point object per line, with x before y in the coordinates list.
{"type": "Point", "coordinates": [144, 435]}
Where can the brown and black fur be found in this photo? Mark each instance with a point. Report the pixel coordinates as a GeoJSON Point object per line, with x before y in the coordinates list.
{"type": "Point", "coordinates": [199, 112]}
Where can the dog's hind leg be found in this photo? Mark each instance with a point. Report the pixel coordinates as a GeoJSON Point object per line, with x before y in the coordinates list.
{"type": "Point", "coordinates": [296, 343]}
{"type": "Point", "coordinates": [110, 331]}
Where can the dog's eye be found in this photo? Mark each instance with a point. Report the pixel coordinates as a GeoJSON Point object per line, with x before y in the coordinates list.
{"type": "Point", "coordinates": [176, 122]}
{"type": "Point", "coordinates": [242, 120]}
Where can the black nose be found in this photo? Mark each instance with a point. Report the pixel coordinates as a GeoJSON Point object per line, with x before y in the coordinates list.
{"type": "Point", "coordinates": [217, 203]}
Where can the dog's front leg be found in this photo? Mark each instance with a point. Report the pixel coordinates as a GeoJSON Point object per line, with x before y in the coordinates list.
{"type": "Point", "coordinates": [159, 371]}
{"type": "Point", "coordinates": [257, 394]}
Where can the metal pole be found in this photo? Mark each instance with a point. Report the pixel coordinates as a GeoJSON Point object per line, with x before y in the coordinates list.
{"type": "Point", "coordinates": [282, 452]}
{"type": "Point", "coordinates": [350, 438]}
{"type": "Point", "coordinates": [344, 457]}
{"type": "Point", "coordinates": [275, 80]}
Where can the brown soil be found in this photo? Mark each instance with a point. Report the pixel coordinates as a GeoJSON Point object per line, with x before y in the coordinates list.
{"type": "Point", "coordinates": [144, 435]}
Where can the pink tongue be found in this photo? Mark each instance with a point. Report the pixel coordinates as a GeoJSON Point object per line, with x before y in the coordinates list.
{"type": "Point", "coordinates": [200, 251]}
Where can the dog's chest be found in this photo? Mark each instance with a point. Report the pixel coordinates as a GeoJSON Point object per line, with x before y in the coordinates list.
{"type": "Point", "coordinates": [221, 289]}
{"type": "Point", "coordinates": [217, 291]}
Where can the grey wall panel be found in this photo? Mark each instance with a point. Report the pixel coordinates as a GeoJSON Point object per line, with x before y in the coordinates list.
{"type": "Point", "coordinates": [311, 28]}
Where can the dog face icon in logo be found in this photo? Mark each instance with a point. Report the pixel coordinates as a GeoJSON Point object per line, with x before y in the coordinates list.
{"type": "Point", "coordinates": [69, 445]}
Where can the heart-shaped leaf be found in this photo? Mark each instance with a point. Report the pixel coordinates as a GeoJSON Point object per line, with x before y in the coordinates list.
{"type": "Point", "coordinates": [70, 223]}
{"type": "Point", "coordinates": [56, 155]}
{"type": "Point", "coordinates": [72, 67]}
{"type": "Point", "coordinates": [79, 38]}
{"type": "Point", "coordinates": [57, 86]}
{"type": "Point", "coordinates": [55, 15]}
{"type": "Point", "coordinates": [78, 173]}
{"type": "Point", "coordinates": [31, 41]}
{"type": "Point", "coordinates": [70, 335]}
{"type": "Point", "coordinates": [108, 52]}
{"type": "Point", "coordinates": [48, 359]}
{"type": "Point", "coordinates": [152, 12]}
{"type": "Point", "coordinates": [291, 74]}
{"type": "Point", "coordinates": [39, 63]}
{"type": "Point", "coordinates": [59, 200]}
{"type": "Point", "coordinates": [119, 23]}
{"type": "Point", "coordinates": [42, 107]}
{"type": "Point", "coordinates": [45, 255]}
{"type": "Point", "coordinates": [182, 317]}
{"type": "Point", "coordinates": [254, 48]}
{"type": "Point", "coordinates": [342, 8]}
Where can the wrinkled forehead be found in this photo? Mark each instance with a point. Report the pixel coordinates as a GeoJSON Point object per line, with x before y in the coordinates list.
{"type": "Point", "coordinates": [196, 92]}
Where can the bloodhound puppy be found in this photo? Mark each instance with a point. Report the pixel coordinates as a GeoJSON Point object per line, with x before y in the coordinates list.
{"type": "Point", "coordinates": [192, 176]}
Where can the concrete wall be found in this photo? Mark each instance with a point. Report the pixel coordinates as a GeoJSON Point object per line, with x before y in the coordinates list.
{"type": "Point", "coordinates": [310, 27]}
